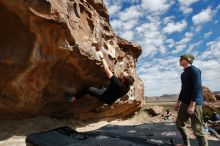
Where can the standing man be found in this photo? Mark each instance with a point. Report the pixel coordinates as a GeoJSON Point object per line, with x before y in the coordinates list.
{"type": "Point", "coordinates": [189, 104]}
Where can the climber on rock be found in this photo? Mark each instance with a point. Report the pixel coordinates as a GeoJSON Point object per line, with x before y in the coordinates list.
{"type": "Point", "coordinates": [118, 87]}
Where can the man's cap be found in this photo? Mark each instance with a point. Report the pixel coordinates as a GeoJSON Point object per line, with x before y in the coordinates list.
{"type": "Point", "coordinates": [188, 57]}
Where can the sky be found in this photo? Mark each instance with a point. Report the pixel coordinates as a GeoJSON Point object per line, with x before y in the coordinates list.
{"type": "Point", "coordinates": [166, 29]}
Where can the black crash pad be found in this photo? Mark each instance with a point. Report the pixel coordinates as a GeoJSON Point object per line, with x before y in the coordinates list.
{"type": "Point", "coordinates": [149, 134]}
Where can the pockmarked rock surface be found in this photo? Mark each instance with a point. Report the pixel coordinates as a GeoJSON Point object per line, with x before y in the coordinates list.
{"type": "Point", "coordinates": [47, 49]}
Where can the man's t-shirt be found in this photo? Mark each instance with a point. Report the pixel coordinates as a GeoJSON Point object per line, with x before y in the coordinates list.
{"type": "Point", "coordinates": [114, 91]}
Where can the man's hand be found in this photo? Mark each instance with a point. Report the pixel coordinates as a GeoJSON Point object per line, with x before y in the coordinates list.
{"type": "Point", "coordinates": [73, 99]}
{"type": "Point", "coordinates": [97, 46]}
{"type": "Point", "coordinates": [191, 108]}
{"type": "Point", "coordinates": [177, 106]}
{"type": "Point", "coordinates": [101, 55]}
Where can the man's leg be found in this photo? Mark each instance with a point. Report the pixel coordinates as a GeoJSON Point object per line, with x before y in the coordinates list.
{"type": "Point", "coordinates": [181, 121]}
{"type": "Point", "coordinates": [96, 92]}
{"type": "Point", "coordinates": [70, 96]}
{"type": "Point", "coordinates": [197, 126]}
{"type": "Point", "coordinates": [91, 90]}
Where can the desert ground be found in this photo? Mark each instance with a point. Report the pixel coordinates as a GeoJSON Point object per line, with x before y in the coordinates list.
{"type": "Point", "coordinates": [14, 132]}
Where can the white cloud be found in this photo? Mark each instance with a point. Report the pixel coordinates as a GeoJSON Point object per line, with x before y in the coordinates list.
{"type": "Point", "coordinates": [109, 3]}
{"type": "Point", "coordinates": [116, 24]}
{"type": "Point", "coordinates": [124, 22]}
{"type": "Point", "coordinates": [216, 10]}
{"type": "Point", "coordinates": [156, 6]}
{"type": "Point", "coordinates": [130, 24]}
{"type": "Point", "coordinates": [188, 37]}
{"type": "Point", "coordinates": [151, 35]}
{"type": "Point", "coordinates": [185, 5]}
{"type": "Point", "coordinates": [183, 43]}
{"type": "Point", "coordinates": [170, 43]}
{"type": "Point", "coordinates": [179, 48]}
{"type": "Point", "coordinates": [132, 12]}
{"type": "Point", "coordinates": [154, 18]}
{"type": "Point", "coordinates": [193, 47]}
{"type": "Point", "coordinates": [113, 9]}
{"type": "Point", "coordinates": [175, 27]}
{"type": "Point", "coordinates": [186, 10]}
{"type": "Point", "coordinates": [202, 17]}
{"type": "Point", "coordinates": [168, 19]}
{"type": "Point", "coordinates": [214, 46]}
{"type": "Point", "coordinates": [153, 42]}
{"type": "Point", "coordinates": [162, 49]}
{"type": "Point", "coordinates": [121, 1]}
{"type": "Point", "coordinates": [208, 34]}
{"type": "Point", "coordinates": [147, 27]}
{"type": "Point", "coordinates": [148, 49]}
{"type": "Point", "coordinates": [213, 50]}
{"type": "Point", "coordinates": [151, 39]}
{"type": "Point", "coordinates": [187, 2]}
{"type": "Point", "coordinates": [198, 28]}
{"type": "Point", "coordinates": [129, 35]}
{"type": "Point", "coordinates": [158, 79]}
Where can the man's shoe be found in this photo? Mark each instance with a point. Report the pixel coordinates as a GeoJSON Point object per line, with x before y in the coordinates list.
{"type": "Point", "coordinates": [73, 99]}
{"type": "Point", "coordinates": [70, 98]}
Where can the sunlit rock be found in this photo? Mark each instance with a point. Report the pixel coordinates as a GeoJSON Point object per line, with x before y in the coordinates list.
{"type": "Point", "coordinates": [46, 49]}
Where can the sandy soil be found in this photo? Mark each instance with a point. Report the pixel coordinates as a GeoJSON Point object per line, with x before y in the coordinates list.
{"type": "Point", "coordinates": [14, 132]}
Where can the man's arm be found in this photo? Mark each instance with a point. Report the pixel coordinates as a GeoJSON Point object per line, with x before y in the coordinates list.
{"type": "Point", "coordinates": [105, 65]}
{"type": "Point", "coordinates": [196, 80]}
{"type": "Point", "coordinates": [197, 84]}
{"type": "Point", "coordinates": [191, 107]}
{"type": "Point", "coordinates": [177, 106]}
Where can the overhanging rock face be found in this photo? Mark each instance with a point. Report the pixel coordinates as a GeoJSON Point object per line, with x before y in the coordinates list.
{"type": "Point", "coordinates": [46, 50]}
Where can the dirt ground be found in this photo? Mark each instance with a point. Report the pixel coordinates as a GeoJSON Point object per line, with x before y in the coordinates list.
{"type": "Point", "coordinates": [170, 105]}
{"type": "Point", "coordinates": [14, 132]}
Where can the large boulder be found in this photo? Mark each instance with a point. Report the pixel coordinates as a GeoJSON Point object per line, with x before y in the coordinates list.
{"type": "Point", "coordinates": [46, 50]}
{"type": "Point", "coordinates": [208, 95]}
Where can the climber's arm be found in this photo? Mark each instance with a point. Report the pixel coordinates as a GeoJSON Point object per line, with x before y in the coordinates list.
{"type": "Point", "coordinates": [108, 72]}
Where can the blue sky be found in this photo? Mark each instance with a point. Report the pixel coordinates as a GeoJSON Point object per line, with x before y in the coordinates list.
{"type": "Point", "coordinates": [167, 29]}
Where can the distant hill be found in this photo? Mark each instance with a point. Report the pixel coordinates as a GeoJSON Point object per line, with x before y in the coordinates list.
{"type": "Point", "coordinates": [162, 98]}
{"type": "Point", "coordinates": [217, 95]}
{"type": "Point", "coordinates": [170, 97]}
{"type": "Point", "coordinates": [216, 92]}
